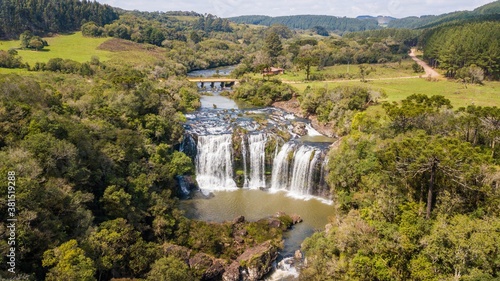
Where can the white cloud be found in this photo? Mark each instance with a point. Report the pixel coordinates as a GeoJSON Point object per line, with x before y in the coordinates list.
{"type": "Point", "coordinates": [351, 8]}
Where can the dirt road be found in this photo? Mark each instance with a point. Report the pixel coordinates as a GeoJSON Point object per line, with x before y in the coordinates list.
{"type": "Point", "coordinates": [429, 71]}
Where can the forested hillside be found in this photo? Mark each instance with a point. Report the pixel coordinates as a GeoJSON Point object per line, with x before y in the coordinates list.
{"type": "Point", "coordinates": [332, 23]}
{"type": "Point", "coordinates": [468, 51]}
{"type": "Point", "coordinates": [44, 16]}
{"type": "Point", "coordinates": [492, 9]}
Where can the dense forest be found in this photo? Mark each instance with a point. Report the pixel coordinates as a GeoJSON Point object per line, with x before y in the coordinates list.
{"type": "Point", "coordinates": [47, 16]}
{"type": "Point", "coordinates": [334, 24]}
{"type": "Point", "coordinates": [466, 51]}
{"type": "Point", "coordinates": [416, 195]}
{"type": "Point", "coordinates": [95, 165]}
{"type": "Point", "coordinates": [432, 20]}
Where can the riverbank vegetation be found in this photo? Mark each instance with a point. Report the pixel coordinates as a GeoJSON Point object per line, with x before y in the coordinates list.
{"type": "Point", "coordinates": [412, 189]}
{"type": "Point", "coordinates": [91, 122]}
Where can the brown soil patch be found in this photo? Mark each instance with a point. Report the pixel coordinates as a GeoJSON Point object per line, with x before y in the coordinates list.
{"type": "Point", "coordinates": [120, 45]}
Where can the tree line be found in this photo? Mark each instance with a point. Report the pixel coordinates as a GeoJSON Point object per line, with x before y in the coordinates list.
{"type": "Point", "coordinates": [464, 50]}
{"type": "Point", "coordinates": [49, 16]}
{"type": "Point", "coordinates": [491, 9]}
{"type": "Point", "coordinates": [332, 23]}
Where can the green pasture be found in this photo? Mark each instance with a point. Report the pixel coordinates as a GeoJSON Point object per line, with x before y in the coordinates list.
{"type": "Point", "coordinates": [73, 46]}
{"type": "Point", "coordinates": [344, 71]}
{"type": "Point", "coordinates": [398, 89]}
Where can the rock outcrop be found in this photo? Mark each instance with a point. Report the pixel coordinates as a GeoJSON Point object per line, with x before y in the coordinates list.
{"type": "Point", "coordinates": [210, 267]}
{"type": "Point", "coordinates": [179, 252]}
{"type": "Point", "coordinates": [253, 264]}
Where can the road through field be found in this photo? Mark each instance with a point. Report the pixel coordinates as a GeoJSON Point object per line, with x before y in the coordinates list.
{"type": "Point", "coordinates": [429, 71]}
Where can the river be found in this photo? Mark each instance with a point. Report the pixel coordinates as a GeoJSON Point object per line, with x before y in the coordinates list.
{"type": "Point", "coordinates": [294, 191]}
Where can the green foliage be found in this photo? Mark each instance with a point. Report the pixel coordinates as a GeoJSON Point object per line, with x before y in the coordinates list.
{"type": "Point", "coordinates": [10, 59]}
{"type": "Point", "coordinates": [472, 242]}
{"type": "Point", "coordinates": [336, 24]}
{"type": "Point", "coordinates": [446, 166]}
{"type": "Point", "coordinates": [28, 41]}
{"type": "Point", "coordinates": [91, 29]}
{"type": "Point", "coordinates": [68, 262]}
{"type": "Point", "coordinates": [306, 59]}
{"type": "Point", "coordinates": [488, 11]}
{"type": "Point", "coordinates": [320, 30]}
{"type": "Point", "coordinates": [417, 68]}
{"type": "Point", "coordinates": [460, 46]}
{"type": "Point", "coordinates": [338, 105]}
{"type": "Point", "coordinates": [209, 23]}
{"type": "Point", "coordinates": [170, 269]}
{"type": "Point", "coordinates": [273, 46]}
{"type": "Point", "coordinates": [412, 204]}
{"type": "Point", "coordinates": [48, 16]}
{"type": "Point", "coordinates": [261, 92]}
{"type": "Point", "coordinates": [479, 126]}
{"type": "Point", "coordinates": [419, 112]}
{"type": "Point", "coordinates": [110, 246]}
{"type": "Point", "coordinates": [206, 54]}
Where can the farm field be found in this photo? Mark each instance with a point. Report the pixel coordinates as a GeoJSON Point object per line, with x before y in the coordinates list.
{"type": "Point", "coordinates": [399, 89]}
{"type": "Point", "coordinates": [73, 46]}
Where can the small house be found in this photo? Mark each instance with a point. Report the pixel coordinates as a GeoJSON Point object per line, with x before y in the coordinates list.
{"type": "Point", "coordinates": [273, 71]}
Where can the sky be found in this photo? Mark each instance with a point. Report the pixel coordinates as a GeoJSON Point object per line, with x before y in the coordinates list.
{"type": "Point", "coordinates": [347, 8]}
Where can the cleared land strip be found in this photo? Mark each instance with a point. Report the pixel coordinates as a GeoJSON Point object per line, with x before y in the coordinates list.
{"type": "Point", "coordinates": [429, 71]}
{"type": "Point", "coordinates": [351, 80]}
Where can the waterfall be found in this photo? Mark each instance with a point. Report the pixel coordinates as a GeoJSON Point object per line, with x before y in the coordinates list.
{"type": "Point", "coordinates": [244, 153]}
{"type": "Point", "coordinates": [214, 162]}
{"type": "Point", "coordinates": [294, 169]}
{"type": "Point", "coordinates": [304, 161]}
{"type": "Point", "coordinates": [257, 148]}
{"type": "Point", "coordinates": [280, 174]}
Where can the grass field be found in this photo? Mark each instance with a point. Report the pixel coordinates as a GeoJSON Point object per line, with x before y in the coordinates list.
{"type": "Point", "coordinates": [377, 71]}
{"type": "Point", "coordinates": [78, 48]}
{"type": "Point", "coordinates": [74, 46]}
{"type": "Point", "coordinates": [398, 89]}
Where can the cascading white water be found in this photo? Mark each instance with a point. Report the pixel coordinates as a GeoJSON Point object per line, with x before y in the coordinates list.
{"type": "Point", "coordinates": [293, 169]}
{"type": "Point", "coordinates": [244, 153]}
{"type": "Point", "coordinates": [214, 162]}
{"type": "Point", "coordinates": [257, 148]}
{"type": "Point", "coordinates": [281, 163]}
{"type": "Point", "coordinates": [304, 160]}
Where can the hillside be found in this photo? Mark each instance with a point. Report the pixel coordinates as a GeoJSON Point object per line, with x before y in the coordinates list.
{"type": "Point", "coordinates": [382, 20]}
{"type": "Point", "coordinates": [331, 23]}
{"type": "Point", "coordinates": [491, 9]}
{"type": "Point", "coordinates": [49, 16]}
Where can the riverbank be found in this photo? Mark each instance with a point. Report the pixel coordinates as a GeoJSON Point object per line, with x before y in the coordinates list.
{"type": "Point", "coordinates": [293, 106]}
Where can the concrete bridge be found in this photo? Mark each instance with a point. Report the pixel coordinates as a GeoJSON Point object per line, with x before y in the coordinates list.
{"type": "Point", "coordinates": [224, 82]}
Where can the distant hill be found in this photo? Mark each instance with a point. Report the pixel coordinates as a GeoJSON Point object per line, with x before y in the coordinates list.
{"type": "Point", "coordinates": [382, 20]}
{"type": "Point", "coordinates": [490, 9]}
{"type": "Point", "coordinates": [331, 23]}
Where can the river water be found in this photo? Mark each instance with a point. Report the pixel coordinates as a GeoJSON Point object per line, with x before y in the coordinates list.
{"type": "Point", "coordinates": [221, 205]}
{"type": "Point", "coordinates": [257, 204]}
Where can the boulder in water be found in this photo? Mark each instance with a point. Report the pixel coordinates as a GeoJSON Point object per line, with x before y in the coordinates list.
{"type": "Point", "coordinates": [299, 128]}
{"type": "Point", "coordinates": [298, 255]}
{"type": "Point", "coordinates": [296, 219]}
{"type": "Point", "coordinates": [239, 219]}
